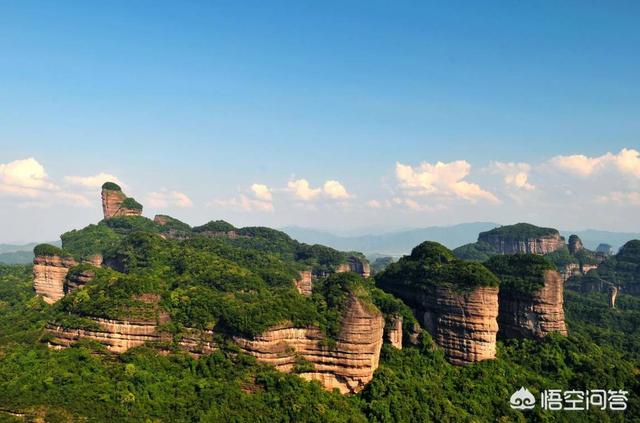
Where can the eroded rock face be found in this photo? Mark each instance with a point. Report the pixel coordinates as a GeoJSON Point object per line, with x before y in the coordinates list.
{"type": "Point", "coordinates": [540, 245]}
{"type": "Point", "coordinates": [304, 285]}
{"type": "Point", "coordinates": [49, 274]}
{"type": "Point", "coordinates": [613, 294]}
{"type": "Point", "coordinates": [575, 244]}
{"type": "Point", "coordinates": [356, 265]}
{"type": "Point", "coordinates": [463, 323]}
{"type": "Point", "coordinates": [116, 335]}
{"type": "Point", "coordinates": [112, 204]}
{"type": "Point", "coordinates": [393, 333]}
{"type": "Point", "coordinates": [533, 315]}
{"type": "Point", "coordinates": [348, 366]}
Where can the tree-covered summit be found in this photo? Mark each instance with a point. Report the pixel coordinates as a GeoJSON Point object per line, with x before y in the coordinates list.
{"type": "Point", "coordinates": [519, 231]}
{"type": "Point", "coordinates": [111, 186]}
{"type": "Point", "coordinates": [432, 264]}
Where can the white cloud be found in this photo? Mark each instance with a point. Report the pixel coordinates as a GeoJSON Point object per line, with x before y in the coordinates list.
{"type": "Point", "coordinates": [441, 179]}
{"type": "Point", "coordinates": [94, 181]}
{"type": "Point", "coordinates": [262, 192]}
{"type": "Point", "coordinates": [302, 189]}
{"type": "Point", "coordinates": [331, 189]}
{"type": "Point", "coordinates": [626, 162]}
{"type": "Point", "coordinates": [516, 175]}
{"type": "Point", "coordinates": [163, 198]}
{"type": "Point", "coordinates": [335, 190]}
{"type": "Point", "coordinates": [24, 178]}
{"type": "Point", "coordinates": [244, 203]}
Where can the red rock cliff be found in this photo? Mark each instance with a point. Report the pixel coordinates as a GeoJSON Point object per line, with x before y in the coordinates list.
{"type": "Point", "coordinates": [49, 274]}
{"type": "Point", "coordinates": [112, 203]}
{"type": "Point", "coordinates": [533, 315]}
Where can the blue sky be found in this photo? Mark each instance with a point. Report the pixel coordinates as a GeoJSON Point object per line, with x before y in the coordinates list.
{"type": "Point", "coordinates": [209, 98]}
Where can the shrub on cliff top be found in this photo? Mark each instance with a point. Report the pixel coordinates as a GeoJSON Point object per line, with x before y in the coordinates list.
{"type": "Point", "coordinates": [520, 272]}
{"type": "Point", "coordinates": [519, 231]}
{"type": "Point", "coordinates": [432, 264]}
{"type": "Point", "coordinates": [131, 203]}
{"type": "Point", "coordinates": [111, 186]}
{"type": "Point", "coordinates": [215, 226]}
{"type": "Point", "coordinates": [48, 250]}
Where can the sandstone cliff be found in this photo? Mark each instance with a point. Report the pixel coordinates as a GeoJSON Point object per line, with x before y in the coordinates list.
{"type": "Point", "coordinates": [355, 264]}
{"type": "Point", "coordinates": [348, 366]}
{"type": "Point", "coordinates": [304, 285]}
{"type": "Point", "coordinates": [393, 332]}
{"type": "Point", "coordinates": [116, 204]}
{"type": "Point", "coordinates": [575, 244]}
{"type": "Point", "coordinates": [523, 238]}
{"type": "Point", "coordinates": [49, 274]}
{"type": "Point", "coordinates": [533, 315]}
{"type": "Point", "coordinates": [463, 323]}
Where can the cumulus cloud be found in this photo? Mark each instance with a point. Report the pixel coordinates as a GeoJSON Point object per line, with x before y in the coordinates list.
{"type": "Point", "coordinates": [626, 162]}
{"type": "Point", "coordinates": [24, 178]}
{"type": "Point", "coordinates": [516, 175]}
{"type": "Point", "coordinates": [302, 189]}
{"type": "Point", "coordinates": [262, 192]}
{"type": "Point", "coordinates": [332, 189]}
{"type": "Point", "coordinates": [335, 190]}
{"type": "Point", "coordinates": [441, 179]}
{"type": "Point", "coordinates": [374, 204]}
{"type": "Point", "coordinates": [244, 203]}
{"type": "Point", "coordinates": [164, 198]}
{"type": "Point", "coordinates": [94, 181]}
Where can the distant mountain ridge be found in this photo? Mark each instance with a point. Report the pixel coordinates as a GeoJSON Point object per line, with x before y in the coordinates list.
{"type": "Point", "coordinates": [20, 253]}
{"type": "Point", "coordinates": [398, 243]}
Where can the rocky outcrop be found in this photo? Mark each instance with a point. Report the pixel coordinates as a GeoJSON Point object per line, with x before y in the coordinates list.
{"type": "Point", "coordinates": [463, 323]}
{"type": "Point", "coordinates": [613, 294]}
{"type": "Point", "coordinates": [539, 245]}
{"type": "Point", "coordinates": [347, 366]}
{"type": "Point", "coordinates": [49, 274]}
{"type": "Point", "coordinates": [304, 285]}
{"type": "Point", "coordinates": [355, 264]}
{"type": "Point", "coordinates": [116, 204]}
{"type": "Point", "coordinates": [79, 277]}
{"type": "Point", "coordinates": [533, 315]}
{"type": "Point", "coordinates": [393, 332]}
{"type": "Point", "coordinates": [569, 270]}
{"type": "Point", "coordinates": [116, 335]}
{"type": "Point", "coordinates": [575, 244]}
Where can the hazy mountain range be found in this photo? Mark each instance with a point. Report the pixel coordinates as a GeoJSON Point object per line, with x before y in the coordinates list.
{"type": "Point", "coordinates": [397, 243]}
{"type": "Point", "coordinates": [393, 243]}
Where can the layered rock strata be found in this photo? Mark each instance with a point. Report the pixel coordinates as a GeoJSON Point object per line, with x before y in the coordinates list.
{"type": "Point", "coordinates": [347, 366]}
{"type": "Point", "coordinates": [112, 204]}
{"type": "Point", "coordinates": [539, 245]}
{"type": "Point", "coordinates": [356, 265]}
{"type": "Point", "coordinates": [49, 274]}
{"type": "Point", "coordinates": [463, 323]}
{"type": "Point", "coordinates": [533, 315]}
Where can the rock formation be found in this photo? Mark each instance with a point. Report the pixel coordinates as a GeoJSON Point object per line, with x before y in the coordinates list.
{"type": "Point", "coordinates": [348, 366]}
{"type": "Point", "coordinates": [393, 332]}
{"type": "Point", "coordinates": [462, 323]}
{"type": "Point", "coordinates": [305, 284]}
{"type": "Point", "coordinates": [613, 294]}
{"type": "Point", "coordinates": [575, 244]}
{"type": "Point", "coordinates": [116, 204]}
{"type": "Point", "coordinates": [540, 245]}
{"type": "Point", "coordinates": [357, 265]}
{"type": "Point", "coordinates": [49, 274]}
{"type": "Point", "coordinates": [533, 315]}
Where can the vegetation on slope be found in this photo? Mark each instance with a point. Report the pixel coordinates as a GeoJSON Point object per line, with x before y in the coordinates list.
{"type": "Point", "coordinates": [414, 384]}
{"type": "Point", "coordinates": [523, 273]}
{"type": "Point", "coordinates": [519, 231]}
{"type": "Point", "coordinates": [431, 264]}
